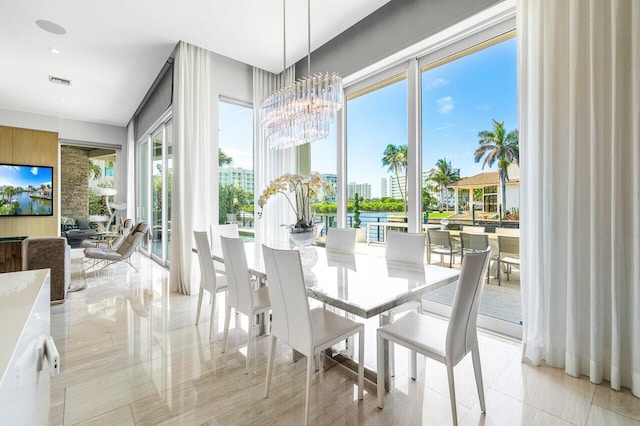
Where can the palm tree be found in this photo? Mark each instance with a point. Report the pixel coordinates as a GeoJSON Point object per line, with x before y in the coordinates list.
{"type": "Point", "coordinates": [395, 157]}
{"type": "Point", "coordinates": [497, 145]}
{"type": "Point", "coordinates": [95, 171]}
{"type": "Point", "coordinates": [9, 192]}
{"type": "Point", "coordinates": [443, 175]}
{"type": "Point", "coordinates": [223, 159]}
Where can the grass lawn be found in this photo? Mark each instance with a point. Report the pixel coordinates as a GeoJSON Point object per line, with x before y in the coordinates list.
{"type": "Point", "coordinates": [436, 215]}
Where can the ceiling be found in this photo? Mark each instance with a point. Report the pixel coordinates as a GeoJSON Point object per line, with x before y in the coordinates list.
{"type": "Point", "coordinates": [113, 50]}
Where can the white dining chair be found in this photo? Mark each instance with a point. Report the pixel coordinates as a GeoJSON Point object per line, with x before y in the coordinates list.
{"type": "Point", "coordinates": [307, 331]}
{"type": "Point", "coordinates": [240, 293]}
{"type": "Point", "coordinates": [407, 248]}
{"type": "Point", "coordinates": [229, 230]}
{"type": "Point", "coordinates": [446, 342]}
{"type": "Point", "coordinates": [209, 279]}
{"type": "Point", "coordinates": [343, 239]}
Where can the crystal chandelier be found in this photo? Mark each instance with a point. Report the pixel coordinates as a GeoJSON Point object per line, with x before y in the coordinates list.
{"type": "Point", "coordinates": [303, 111]}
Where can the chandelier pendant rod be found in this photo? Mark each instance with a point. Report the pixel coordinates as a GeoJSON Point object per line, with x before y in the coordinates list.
{"type": "Point", "coordinates": [284, 36]}
{"type": "Point", "coordinates": [309, 37]}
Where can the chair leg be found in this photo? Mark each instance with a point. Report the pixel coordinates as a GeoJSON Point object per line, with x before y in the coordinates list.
{"type": "Point", "coordinates": [380, 377]}
{"type": "Point", "coordinates": [361, 365]}
{"type": "Point", "coordinates": [498, 268]}
{"type": "Point", "coordinates": [227, 319]}
{"type": "Point", "coordinates": [213, 314]}
{"type": "Point", "coordinates": [452, 394]}
{"type": "Point", "coordinates": [270, 361]}
{"type": "Point", "coordinates": [199, 304]}
{"type": "Point", "coordinates": [246, 369]}
{"type": "Point", "coordinates": [308, 392]}
{"type": "Point", "coordinates": [475, 354]}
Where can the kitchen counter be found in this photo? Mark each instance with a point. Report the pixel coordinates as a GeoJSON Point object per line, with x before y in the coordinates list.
{"type": "Point", "coordinates": [24, 327]}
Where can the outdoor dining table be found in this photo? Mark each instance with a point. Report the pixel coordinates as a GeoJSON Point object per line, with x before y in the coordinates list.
{"type": "Point", "coordinates": [359, 284]}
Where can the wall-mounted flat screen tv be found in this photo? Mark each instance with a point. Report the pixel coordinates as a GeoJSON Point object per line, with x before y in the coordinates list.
{"type": "Point", "coordinates": [26, 190]}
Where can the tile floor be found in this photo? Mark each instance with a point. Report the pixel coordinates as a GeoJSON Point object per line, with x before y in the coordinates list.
{"type": "Point", "coordinates": [131, 354]}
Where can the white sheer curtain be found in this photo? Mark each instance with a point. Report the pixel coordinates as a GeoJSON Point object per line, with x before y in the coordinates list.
{"type": "Point", "coordinates": [580, 194]}
{"type": "Point", "coordinates": [270, 163]}
{"type": "Point", "coordinates": [131, 172]}
{"type": "Point", "coordinates": [192, 187]}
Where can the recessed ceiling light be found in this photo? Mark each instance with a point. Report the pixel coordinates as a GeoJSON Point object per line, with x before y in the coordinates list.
{"type": "Point", "coordinates": [54, 50]}
{"type": "Point", "coordinates": [51, 27]}
{"type": "Point", "coordinates": [61, 99]}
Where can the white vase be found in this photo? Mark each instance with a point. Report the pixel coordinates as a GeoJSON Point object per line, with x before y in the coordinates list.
{"type": "Point", "coordinates": [303, 237]}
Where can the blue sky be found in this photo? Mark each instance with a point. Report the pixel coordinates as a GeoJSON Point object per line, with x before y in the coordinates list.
{"type": "Point", "coordinates": [459, 99]}
{"type": "Point", "coordinates": [236, 133]}
{"type": "Point", "coordinates": [23, 176]}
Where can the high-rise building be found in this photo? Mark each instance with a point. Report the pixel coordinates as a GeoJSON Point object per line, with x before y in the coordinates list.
{"type": "Point", "coordinates": [384, 188]}
{"type": "Point", "coordinates": [362, 189]}
{"type": "Point", "coordinates": [332, 178]}
{"type": "Point", "coordinates": [237, 176]}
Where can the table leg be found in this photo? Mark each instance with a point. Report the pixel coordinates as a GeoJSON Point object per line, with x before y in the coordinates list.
{"type": "Point", "coordinates": [384, 320]}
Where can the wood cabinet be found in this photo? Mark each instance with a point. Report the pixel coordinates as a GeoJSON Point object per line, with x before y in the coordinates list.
{"type": "Point", "coordinates": [11, 254]}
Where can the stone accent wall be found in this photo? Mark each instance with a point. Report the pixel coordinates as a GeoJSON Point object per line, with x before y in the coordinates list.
{"type": "Point", "coordinates": [74, 187]}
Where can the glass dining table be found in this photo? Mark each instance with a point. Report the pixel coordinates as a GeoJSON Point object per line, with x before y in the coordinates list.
{"type": "Point", "coordinates": [360, 284]}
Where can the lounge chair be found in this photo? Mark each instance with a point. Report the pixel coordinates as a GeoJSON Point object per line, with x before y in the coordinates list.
{"type": "Point", "coordinates": [106, 256]}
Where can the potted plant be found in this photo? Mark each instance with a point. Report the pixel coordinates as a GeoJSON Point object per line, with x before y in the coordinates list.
{"type": "Point", "coordinates": [360, 233]}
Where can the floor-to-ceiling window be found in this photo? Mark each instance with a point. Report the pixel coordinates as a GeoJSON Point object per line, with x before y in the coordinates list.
{"type": "Point", "coordinates": [469, 133]}
{"type": "Point", "coordinates": [154, 195]}
{"type": "Point", "coordinates": [235, 159]}
{"type": "Point", "coordinates": [323, 159]}
{"type": "Point", "coordinates": [376, 138]}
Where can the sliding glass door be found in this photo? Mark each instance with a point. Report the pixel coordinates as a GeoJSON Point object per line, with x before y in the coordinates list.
{"type": "Point", "coordinates": [154, 195]}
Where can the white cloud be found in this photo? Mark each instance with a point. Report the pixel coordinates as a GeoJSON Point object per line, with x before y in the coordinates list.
{"type": "Point", "coordinates": [34, 171]}
{"type": "Point", "coordinates": [240, 158]}
{"type": "Point", "coordinates": [445, 105]}
{"type": "Point", "coordinates": [438, 82]}
{"type": "Point", "coordinates": [444, 126]}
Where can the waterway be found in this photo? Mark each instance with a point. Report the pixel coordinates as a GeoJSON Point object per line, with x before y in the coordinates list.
{"type": "Point", "coordinates": [33, 206]}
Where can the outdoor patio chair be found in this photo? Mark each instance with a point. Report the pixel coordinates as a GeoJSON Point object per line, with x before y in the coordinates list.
{"type": "Point", "coordinates": [107, 256]}
{"type": "Point", "coordinates": [476, 229]}
{"type": "Point", "coordinates": [508, 253]}
{"type": "Point", "coordinates": [232, 218]}
{"type": "Point", "coordinates": [509, 232]}
{"type": "Point", "coordinates": [470, 243]}
{"type": "Point", "coordinates": [439, 242]}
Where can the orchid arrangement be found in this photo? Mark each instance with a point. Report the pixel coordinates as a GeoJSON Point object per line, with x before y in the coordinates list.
{"type": "Point", "coordinates": [305, 188]}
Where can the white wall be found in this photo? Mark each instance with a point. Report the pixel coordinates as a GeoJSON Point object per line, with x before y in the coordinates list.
{"type": "Point", "coordinates": [28, 120]}
{"type": "Point", "coordinates": [232, 79]}
{"type": "Point", "coordinates": [72, 130]}
{"type": "Point", "coordinates": [83, 131]}
{"type": "Point", "coordinates": [395, 26]}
